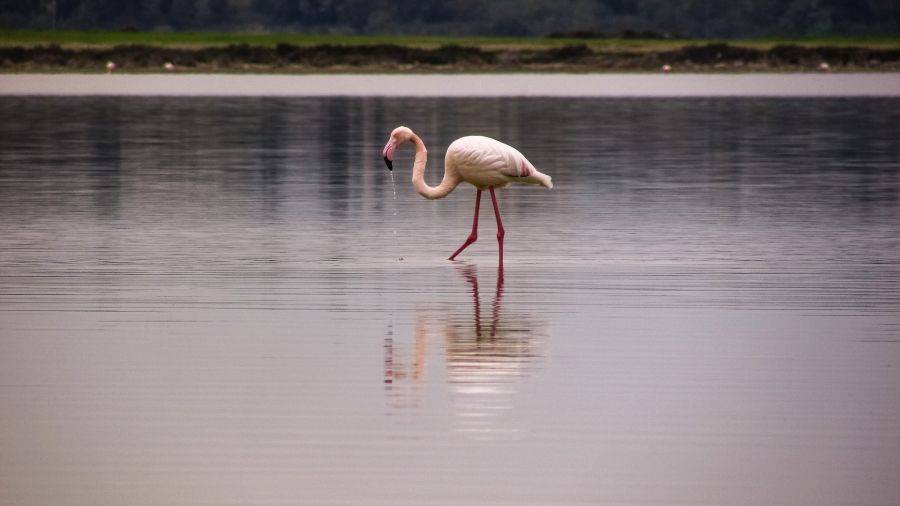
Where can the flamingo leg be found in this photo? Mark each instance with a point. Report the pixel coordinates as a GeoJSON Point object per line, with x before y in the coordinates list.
{"type": "Point", "coordinates": [500, 231]}
{"type": "Point", "coordinates": [473, 236]}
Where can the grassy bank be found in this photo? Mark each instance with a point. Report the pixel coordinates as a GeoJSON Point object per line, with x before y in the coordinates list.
{"type": "Point", "coordinates": [80, 39]}
{"type": "Point", "coordinates": [24, 51]}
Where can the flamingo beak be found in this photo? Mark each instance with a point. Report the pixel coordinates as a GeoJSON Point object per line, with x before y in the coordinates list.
{"type": "Point", "coordinates": [388, 154]}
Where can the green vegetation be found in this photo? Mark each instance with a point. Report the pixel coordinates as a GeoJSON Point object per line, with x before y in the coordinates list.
{"type": "Point", "coordinates": [81, 39]}
{"type": "Point", "coordinates": [396, 54]}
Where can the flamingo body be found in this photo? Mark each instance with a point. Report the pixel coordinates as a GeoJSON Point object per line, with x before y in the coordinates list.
{"type": "Point", "coordinates": [488, 163]}
{"type": "Point", "coordinates": [483, 162]}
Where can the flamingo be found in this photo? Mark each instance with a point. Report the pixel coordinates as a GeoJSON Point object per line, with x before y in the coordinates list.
{"type": "Point", "coordinates": [483, 162]}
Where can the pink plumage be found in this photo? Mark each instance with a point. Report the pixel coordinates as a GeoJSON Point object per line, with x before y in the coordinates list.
{"type": "Point", "coordinates": [483, 162]}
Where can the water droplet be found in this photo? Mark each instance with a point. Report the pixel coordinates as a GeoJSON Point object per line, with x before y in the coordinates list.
{"type": "Point", "coordinates": [394, 189]}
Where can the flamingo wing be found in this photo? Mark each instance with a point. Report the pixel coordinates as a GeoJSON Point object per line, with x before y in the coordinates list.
{"type": "Point", "coordinates": [486, 162]}
{"type": "Point", "coordinates": [479, 161]}
{"type": "Point", "coordinates": [519, 170]}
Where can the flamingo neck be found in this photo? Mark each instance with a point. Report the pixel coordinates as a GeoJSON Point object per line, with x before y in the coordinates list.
{"type": "Point", "coordinates": [448, 183]}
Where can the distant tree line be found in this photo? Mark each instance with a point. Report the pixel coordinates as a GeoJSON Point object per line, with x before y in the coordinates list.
{"type": "Point", "coordinates": [682, 18]}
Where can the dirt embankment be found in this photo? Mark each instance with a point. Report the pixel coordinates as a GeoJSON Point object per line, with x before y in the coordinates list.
{"type": "Point", "coordinates": [388, 58]}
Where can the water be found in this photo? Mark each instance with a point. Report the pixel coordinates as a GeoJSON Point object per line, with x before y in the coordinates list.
{"type": "Point", "coordinates": [394, 193]}
{"type": "Point", "coordinates": [203, 302]}
{"type": "Point", "coordinates": [459, 85]}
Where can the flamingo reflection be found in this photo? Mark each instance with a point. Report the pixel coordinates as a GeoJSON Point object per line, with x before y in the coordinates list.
{"type": "Point", "coordinates": [486, 358]}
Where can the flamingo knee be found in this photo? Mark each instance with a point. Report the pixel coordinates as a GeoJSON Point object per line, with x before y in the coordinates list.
{"type": "Point", "coordinates": [469, 240]}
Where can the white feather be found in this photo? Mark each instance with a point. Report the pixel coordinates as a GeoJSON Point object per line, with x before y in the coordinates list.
{"type": "Point", "coordinates": [485, 162]}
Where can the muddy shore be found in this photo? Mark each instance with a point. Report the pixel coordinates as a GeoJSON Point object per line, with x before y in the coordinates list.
{"type": "Point", "coordinates": [448, 58]}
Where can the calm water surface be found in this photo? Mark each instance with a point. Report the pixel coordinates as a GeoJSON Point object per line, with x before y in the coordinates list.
{"type": "Point", "coordinates": [220, 301]}
{"type": "Point", "coordinates": [460, 85]}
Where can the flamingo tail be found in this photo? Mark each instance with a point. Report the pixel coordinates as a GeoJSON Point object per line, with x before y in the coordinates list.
{"type": "Point", "coordinates": [544, 179]}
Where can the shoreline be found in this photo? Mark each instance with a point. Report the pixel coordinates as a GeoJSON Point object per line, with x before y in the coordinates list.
{"type": "Point", "coordinates": [456, 85]}
{"type": "Point", "coordinates": [388, 58]}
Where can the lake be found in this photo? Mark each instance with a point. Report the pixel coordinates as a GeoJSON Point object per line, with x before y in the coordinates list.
{"type": "Point", "coordinates": [226, 300]}
{"type": "Point", "coordinates": [841, 84]}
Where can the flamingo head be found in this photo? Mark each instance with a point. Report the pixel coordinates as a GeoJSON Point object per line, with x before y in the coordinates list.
{"type": "Point", "coordinates": [400, 135]}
